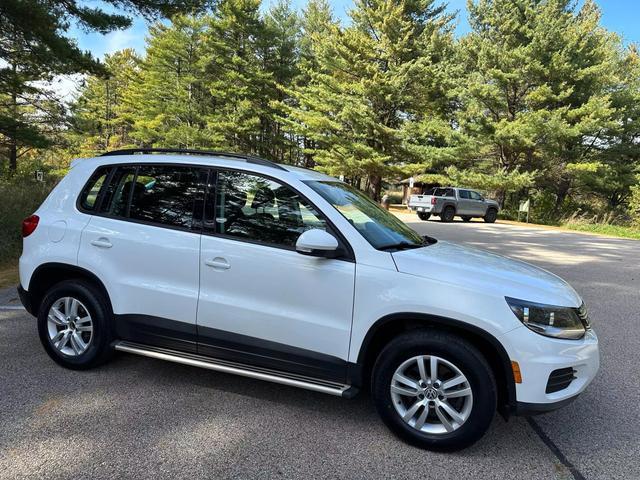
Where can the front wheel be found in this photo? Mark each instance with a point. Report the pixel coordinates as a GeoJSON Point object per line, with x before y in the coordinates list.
{"type": "Point", "coordinates": [434, 390]}
{"type": "Point", "coordinates": [424, 216]}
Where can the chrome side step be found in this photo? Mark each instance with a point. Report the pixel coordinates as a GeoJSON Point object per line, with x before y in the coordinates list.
{"type": "Point", "coordinates": [226, 366]}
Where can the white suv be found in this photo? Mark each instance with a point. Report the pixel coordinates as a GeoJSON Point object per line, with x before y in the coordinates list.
{"type": "Point", "coordinates": [240, 265]}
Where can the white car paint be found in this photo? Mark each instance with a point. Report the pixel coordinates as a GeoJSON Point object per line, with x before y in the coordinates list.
{"type": "Point", "coordinates": [276, 295]}
{"type": "Point", "coordinates": [323, 305]}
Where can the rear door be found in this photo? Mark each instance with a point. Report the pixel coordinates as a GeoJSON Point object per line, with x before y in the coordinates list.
{"type": "Point", "coordinates": [261, 302]}
{"type": "Point", "coordinates": [144, 243]}
{"type": "Point", "coordinates": [465, 204]}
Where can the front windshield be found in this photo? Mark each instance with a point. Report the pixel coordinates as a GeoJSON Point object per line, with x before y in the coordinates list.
{"type": "Point", "coordinates": [381, 229]}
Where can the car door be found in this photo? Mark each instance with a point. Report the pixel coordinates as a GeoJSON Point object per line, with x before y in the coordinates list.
{"type": "Point", "coordinates": [144, 244]}
{"type": "Point", "coordinates": [261, 302]}
{"type": "Point", "coordinates": [465, 206]}
{"type": "Point", "coordinates": [477, 203]}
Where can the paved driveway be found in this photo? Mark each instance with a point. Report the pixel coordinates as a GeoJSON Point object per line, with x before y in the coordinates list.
{"type": "Point", "coordinates": [143, 418]}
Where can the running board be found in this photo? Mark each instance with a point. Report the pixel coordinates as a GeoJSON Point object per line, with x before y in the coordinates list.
{"type": "Point", "coordinates": [322, 386]}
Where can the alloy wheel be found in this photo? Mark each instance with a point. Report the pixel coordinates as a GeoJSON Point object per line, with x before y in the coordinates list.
{"type": "Point", "coordinates": [70, 326]}
{"type": "Point", "coordinates": [431, 394]}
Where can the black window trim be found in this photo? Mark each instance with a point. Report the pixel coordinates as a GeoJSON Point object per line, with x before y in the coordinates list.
{"type": "Point", "coordinates": [103, 187]}
{"type": "Point", "coordinates": [212, 175]}
{"type": "Point", "coordinates": [349, 255]}
{"type": "Point", "coordinates": [114, 167]}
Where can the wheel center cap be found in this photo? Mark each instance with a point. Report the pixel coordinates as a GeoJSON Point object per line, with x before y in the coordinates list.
{"type": "Point", "coordinates": [72, 325]}
{"type": "Point", "coordinates": [431, 393]}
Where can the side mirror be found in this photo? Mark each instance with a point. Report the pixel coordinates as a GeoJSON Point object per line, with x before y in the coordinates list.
{"type": "Point", "coordinates": [318, 243]}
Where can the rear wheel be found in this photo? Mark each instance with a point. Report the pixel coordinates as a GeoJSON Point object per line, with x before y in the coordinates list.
{"type": "Point", "coordinates": [465, 218]}
{"type": "Point", "coordinates": [424, 215]}
{"type": "Point", "coordinates": [447, 214]}
{"type": "Point", "coordinates": [491, 215]}
{"type": "Point", "coordinates": [73, 325]}
{"type": "Point", "coordinates": [434, 390]}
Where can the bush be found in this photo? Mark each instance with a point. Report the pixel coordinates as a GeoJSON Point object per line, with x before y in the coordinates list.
{"type": "Point", "coordinates": [19, 198]}
{"type": "Point", "coordinates": [634, 205]}
{"type": "Point", "coordinates": [394, 197]}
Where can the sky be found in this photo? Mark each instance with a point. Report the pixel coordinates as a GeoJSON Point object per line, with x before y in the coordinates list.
{"type": "Point", "coordinates": [621, 16]}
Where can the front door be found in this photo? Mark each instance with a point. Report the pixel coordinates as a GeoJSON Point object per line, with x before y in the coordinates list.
{"type": "Point", "coordinates": [261, 302]}
{"type": "Point", "coordinates": [478, 205]}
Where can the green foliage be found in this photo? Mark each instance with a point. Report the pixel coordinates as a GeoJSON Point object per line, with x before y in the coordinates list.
{"type": "Point", "coordinates": [538, 101]}
{"type": "Point", "coordinates": [634, 205]}
{"type": "Point", "coordinates": [168, 99]}
{"type": "Point", "coordinates": [20, 196]}
{"type": "Point", "coordinates": [362, 89]}
{"type": "Point", "coordinates": [102, 116]}
{"type": "Point", "coordinates": [34, 48]}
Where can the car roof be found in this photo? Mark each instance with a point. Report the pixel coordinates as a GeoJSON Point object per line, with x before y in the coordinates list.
{"type": "Point", "coordinates": [213, 160]}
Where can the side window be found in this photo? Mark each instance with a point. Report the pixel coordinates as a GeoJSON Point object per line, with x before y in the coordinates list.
{"type": "Point", "coordinates": [164, 195]}
{"type": "Point", "coordinates": [475, 195]}
{"type": "Point", "coordinates": [116, 196]}
{"type": "Point", "coordinates": [448, 192]}
{"type": "Point", "coordinates": [89, 195]}
{"type": "Point", "coordinates": [464, 194]}
{"type": "Point", "coordinates": [262, 210]}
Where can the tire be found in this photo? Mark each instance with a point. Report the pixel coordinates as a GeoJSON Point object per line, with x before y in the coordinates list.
{"type": "Point", "coordinates": [403, 350]}
{"type": "Point", "coordinates": [466, 219]}
{"type": "Point", "coordinates": [95, 333]}
{"type": "Point", "coordinates": [491, 215]}
{"type": "Point", "coordinates": [424, 216]}
{"type": "Point", "coordinates": [447, 214]}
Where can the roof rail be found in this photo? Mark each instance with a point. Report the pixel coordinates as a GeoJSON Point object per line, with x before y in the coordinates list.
{"type": "Point", "coordinates": [211, 153]}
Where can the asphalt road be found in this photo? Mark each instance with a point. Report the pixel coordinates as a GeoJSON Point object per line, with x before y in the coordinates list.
{"type": "Point", "coordinates": [143, 418]}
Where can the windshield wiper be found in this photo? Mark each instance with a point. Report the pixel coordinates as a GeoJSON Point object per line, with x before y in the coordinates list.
{"type": "Point", "coordinates": [426, 241]}
{"type": "Point", "coordinates": [429, 240]}
{"type": "Point", "coordinates": [400, 246]}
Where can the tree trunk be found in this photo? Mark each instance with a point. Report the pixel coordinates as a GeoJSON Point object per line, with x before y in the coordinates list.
{"type": "Point", "coordinates": [13, 135]}
{"type": "Point", "coordinates": [375, 183]}
{"type": "Point", "coordinates": [13, 155]}
{"type": "Point", "coordinates": [561, 194]}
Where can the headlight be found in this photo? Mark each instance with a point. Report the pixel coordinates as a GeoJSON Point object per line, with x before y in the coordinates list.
{"type": "Point", "coordinates": [549, 320]}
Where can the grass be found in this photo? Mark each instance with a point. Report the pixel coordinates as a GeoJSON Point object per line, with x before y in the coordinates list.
{"type": "Point", "coordinates": [604, 229]}
{"type": "Point", "coordinates": [9, 275]}
{"type": "Point", "coordinates": [19, 198]}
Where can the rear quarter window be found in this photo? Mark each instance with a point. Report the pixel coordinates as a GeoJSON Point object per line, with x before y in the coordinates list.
{"type": "Point", "coordinates": [91, 191]}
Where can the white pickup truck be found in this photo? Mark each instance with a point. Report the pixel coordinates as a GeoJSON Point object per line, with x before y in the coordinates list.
{"type": "Point", "coordinates": [447, 202]}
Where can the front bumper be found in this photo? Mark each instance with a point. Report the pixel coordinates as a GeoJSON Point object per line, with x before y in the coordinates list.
{"type": "Point", "coordinates": [25, 299]}
{"type": "Point", "coordinates": [529, 409]}
{"type": "Point", "coordinates": [539, 356]}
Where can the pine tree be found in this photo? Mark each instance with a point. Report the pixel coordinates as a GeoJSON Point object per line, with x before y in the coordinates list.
{"type": "Point", "coordinates": [316, 21]}
{"type": "Point", "coordinates": [170, 100]}
{"type": "Point", "coordinates": [536, 94]}
{"type": "Point", "coordinates": [363, 91]}
{"type": "Point", "coordinates": [234, 76]}
{"type": "Point", "coordinates": [101, 114]}
{"type": "Point", "coordinates": [34, 49]}
{"type": "Point", "coordinates": [280, 55]}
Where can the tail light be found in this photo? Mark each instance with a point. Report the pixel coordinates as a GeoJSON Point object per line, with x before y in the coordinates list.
{"type": "Point", "coordinates": [433, 200]}
{"type": "Point", "coordinates": [29, 225]}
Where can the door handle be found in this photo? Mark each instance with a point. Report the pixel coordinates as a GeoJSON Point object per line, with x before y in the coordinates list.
{"type": "Point", "coordinates": [102, 243]}
{"type": "Point", "coordinates": [218, 263]}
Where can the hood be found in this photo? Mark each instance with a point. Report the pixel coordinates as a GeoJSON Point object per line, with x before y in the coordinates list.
{"type": "Point", "coordinates": [477, 269]}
